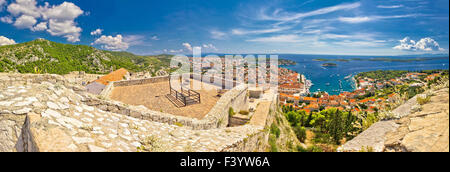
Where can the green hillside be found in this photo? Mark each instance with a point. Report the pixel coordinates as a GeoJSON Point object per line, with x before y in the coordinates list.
{"type": "Point", "coordinates": [43, 56]}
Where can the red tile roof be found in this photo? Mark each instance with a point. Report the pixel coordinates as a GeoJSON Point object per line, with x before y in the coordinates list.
{"type": "Point", "coordinates": [113, 76]}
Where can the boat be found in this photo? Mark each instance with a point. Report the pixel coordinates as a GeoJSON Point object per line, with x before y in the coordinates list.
{"type": "Point", "coordinates": [348, 77]}
{"type": "Point", "coordinates": [327, 84]}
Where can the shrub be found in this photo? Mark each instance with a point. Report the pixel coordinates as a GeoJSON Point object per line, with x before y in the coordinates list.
{"type": "Point", "coordinates": [423, 100]}
{"type": "Point", "coordinates": [309, 149]}
{"type": "Point", "coordinates": [243, 112]}
{"type": "Point", "coordinates": [179, 124]}
{"type": "Point", "coordinates": [314, 149]}
{"type": "Point", "coordinates": [301, 149]}
{"type": "Point", "coordinates": [275, 130]}
{"type": "Point", "coordinates": [300, 132]}
{"type": "Point", "coordinates": [322, 138]}
{"type": "Point", "coordinates": [231, 112]}
{"type": "Point", "coordinates": [366, 149]}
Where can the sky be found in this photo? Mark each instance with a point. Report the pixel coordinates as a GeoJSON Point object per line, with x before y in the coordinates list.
{"type": "Point", "coordinates": [146, 27]}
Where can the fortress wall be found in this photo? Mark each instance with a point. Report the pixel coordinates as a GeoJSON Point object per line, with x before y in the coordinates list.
{"type": "Point", "coordinates": [256, 142]}
{"type": "Point", "coordinates": [141, 81]}
{"type": "Point", "coordinates": [235, 98]}
{"type": "Point", "coordinates": [7, 79]}
{"type": "Point", "coordinates": [167, 78]}
{"type": "Point", "coordinates": [216, 118]}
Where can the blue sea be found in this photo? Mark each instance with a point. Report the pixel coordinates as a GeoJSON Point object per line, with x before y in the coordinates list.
{"type": "Point", "coordinates": [333, 79]}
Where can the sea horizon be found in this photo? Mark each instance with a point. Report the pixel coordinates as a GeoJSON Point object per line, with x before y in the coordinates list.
{"type": "Point", "coordinates": [335, 80]}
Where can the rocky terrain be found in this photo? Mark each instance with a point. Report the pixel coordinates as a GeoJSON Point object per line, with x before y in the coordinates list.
{"type": "Point", "coordinates": [412, 127]}
{"type": "Point", "coordinates": [424, 131]}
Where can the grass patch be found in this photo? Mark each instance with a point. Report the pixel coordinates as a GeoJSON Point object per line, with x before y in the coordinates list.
{"type": "Point", "coordinates": [273, 143]}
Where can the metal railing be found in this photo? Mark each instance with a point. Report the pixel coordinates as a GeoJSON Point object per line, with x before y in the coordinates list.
{"type": "Point", "coordinates": [186, 96]}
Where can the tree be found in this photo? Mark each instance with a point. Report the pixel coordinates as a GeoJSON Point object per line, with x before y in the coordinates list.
{"type": "Point", "coordinates": [300, 132]}
{"type": "Point", "coordinates": [336, 127]}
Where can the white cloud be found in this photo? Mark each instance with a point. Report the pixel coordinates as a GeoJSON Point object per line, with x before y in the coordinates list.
{"type": "Point", "coordinates": [2, 2]}
{"type": "Point", "coordinates": [390, 6]}
{"type": "Point", "coordinates": [296, 16]}
{"type": "Point", "coordinates": [67, 29]}
{"type": "Point", "coordinates": [7, 19]}
{"type": "Point", "coordinates": [354, 19]}
{"type": "Point", "coordinates": [173, 51]}
{"type": "Point", "coordinates": [349, 43]}
{"type": "Point", "coordinates": [155, 38]}
{"type": "Point", "coordinates": [372, 18]}
{"type": "Point", "coordinates": [25, 7]}
{"type": "Point", "coordinates": [25, 21]}
{"type": "Point", "coordinates": [63, 12]}
{"type": "Point", "coordinates": [280, 38]}
{"type": "Point", "coordinates": [218, 34]}
{"type": "Point", "coordinates": [58, 20]}
{"type": "Point", "coordinates": [355, 36]}
{"type": "Point", "coordinates": [210, 46]}
{"type": "Point", "coordinates": [425, 44]}
{"type": "Point", "coordinates": [6, 41]}
{"type": "Point", "coordinates": [40, 27]}
{"type": "Point", "coordinates": [263, 31]}
{"type": "Point", "coordinates": [134, 39]}
{"type": "Point", "coordinates": [187, 46]}
{"type": "Point", "coordinates": [97, 32]}
{"type": "Point", "coordinates": [112, 43]}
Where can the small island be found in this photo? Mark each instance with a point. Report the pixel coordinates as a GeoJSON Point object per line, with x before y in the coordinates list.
{"type": "Point", "coordinates": [326, 60]}
{"type": "Point", "coordinates": [329, 65]}
{"type": "Point", "coordinates": [284, 62]}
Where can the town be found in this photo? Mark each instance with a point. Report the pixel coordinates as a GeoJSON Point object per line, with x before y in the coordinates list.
{"type": "Point", "coordinates": [371, 95]}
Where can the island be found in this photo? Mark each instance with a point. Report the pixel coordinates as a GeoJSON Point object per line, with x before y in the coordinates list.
{"type": "Point", "coordinates": [325, 60]}
{"type": "Point", "coordinates": [329, 65]}
{"type": "Point", "coordinates": [384, 59]}
{"type": "Point", "coordinates": [284, 62]}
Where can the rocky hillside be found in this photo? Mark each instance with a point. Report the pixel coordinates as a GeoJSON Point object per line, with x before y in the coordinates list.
{"type": "Point", "coordinates": [282, 137]}
{"type": "Point", "coordinates": [419, 125]}
{"type": "Point", "coordinates": [424, 131]}
{"type": "Point", "coordinates": [43, 56]}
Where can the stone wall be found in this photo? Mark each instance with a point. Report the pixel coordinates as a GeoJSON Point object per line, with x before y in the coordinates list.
{"type": "Point", "coordinates": [8, 79]}
{"type": "Point", "coordinates": [107, 90]}
{"type": "Point", "coordinates": [10, 131]}
{"type": "Point", "coordinates": [167, 78]}
{"type": "Point", "coordinates": [258, 141]}
{"type": "Point", "coordinates": [236, 98]}
{"type": "Point", "coordinates": [141, 81]}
